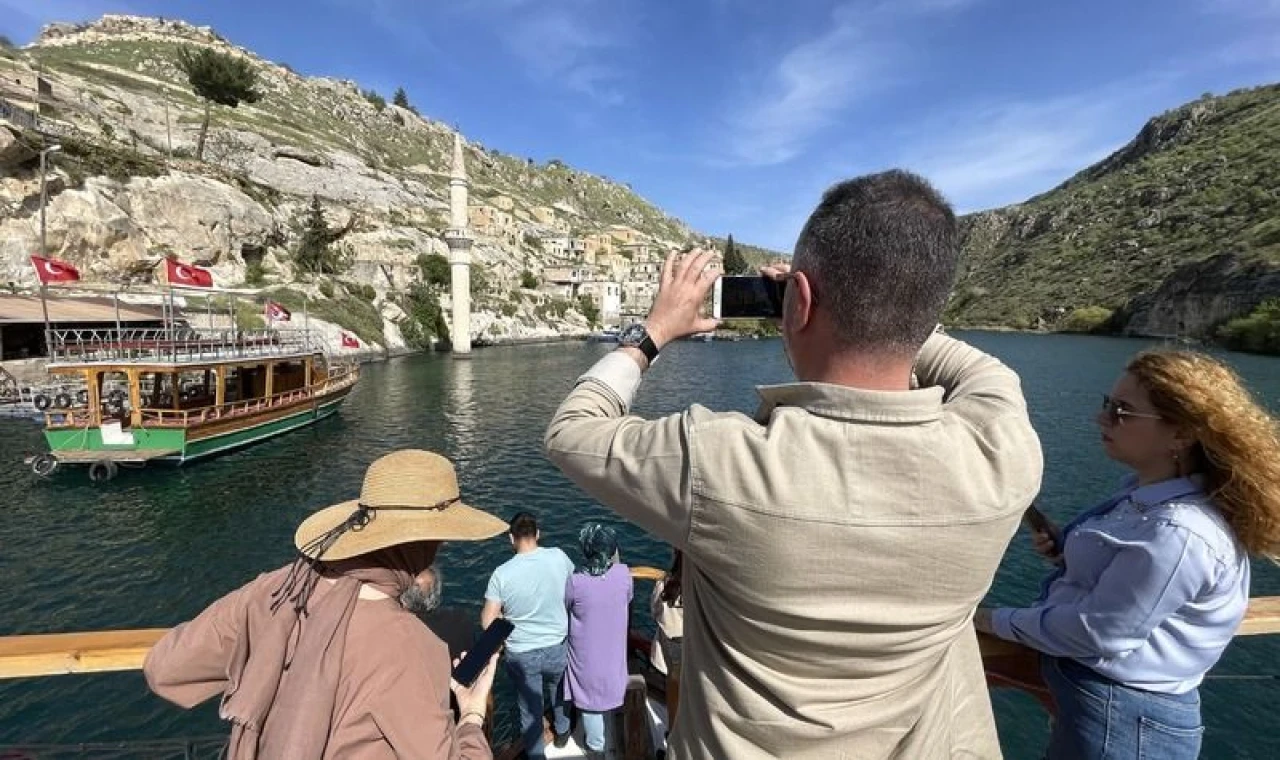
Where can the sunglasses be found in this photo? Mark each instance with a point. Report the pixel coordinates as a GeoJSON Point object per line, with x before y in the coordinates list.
{"type": "Point", "coordinates": [1115, 413]}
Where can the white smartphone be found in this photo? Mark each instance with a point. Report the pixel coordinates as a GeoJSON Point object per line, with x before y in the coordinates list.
{"type": "Point", "coordinates": [747, 297]}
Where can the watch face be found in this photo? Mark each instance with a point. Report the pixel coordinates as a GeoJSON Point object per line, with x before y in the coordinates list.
{"type": "Point", "coordinates": [633, 335]}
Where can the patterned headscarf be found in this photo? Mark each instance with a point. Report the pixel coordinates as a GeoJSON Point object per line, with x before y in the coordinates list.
{"type": "Point", "coordinates": [599, 546]}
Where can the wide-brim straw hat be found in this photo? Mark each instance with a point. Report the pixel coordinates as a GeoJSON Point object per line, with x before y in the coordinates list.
{"type": "Point", "coordinates": [410, 495]}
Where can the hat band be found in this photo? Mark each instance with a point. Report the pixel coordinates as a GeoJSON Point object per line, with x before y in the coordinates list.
{"type": "Point", "coordinates": [409, 507]}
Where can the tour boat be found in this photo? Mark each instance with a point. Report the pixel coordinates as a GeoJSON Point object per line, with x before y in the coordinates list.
{"type": "Point", "coordinates": [176, 394]}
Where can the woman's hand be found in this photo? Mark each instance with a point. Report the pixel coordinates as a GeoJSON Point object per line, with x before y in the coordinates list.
{"type": "Point", "coordinates": [982, 620]}
{"type": "Point", "coordinates": [1048, 544]}
{"type": "Point", "coordinates": [473, 700]}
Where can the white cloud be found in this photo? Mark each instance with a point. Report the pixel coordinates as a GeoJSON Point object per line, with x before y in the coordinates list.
{"type": "Point", "coordinates": [817, 80]}
{"type": "Point", "coordinates": [569, 43]}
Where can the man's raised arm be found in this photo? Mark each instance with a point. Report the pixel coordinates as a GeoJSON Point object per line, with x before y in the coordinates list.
{"type": "Point", "coordinates": [638, 468]}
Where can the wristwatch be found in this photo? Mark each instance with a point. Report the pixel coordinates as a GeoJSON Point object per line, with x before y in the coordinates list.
{"type": "Point", "coordinates": [637, 336]}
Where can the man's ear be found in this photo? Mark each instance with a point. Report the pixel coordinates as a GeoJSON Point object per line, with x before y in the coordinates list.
{"type": "Point", "coordinates": [800, 307]}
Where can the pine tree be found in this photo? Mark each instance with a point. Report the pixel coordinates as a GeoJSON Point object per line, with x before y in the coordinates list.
{"type": "Point", "coordinates": [401, 98]}
{"type": "Point", "coordinates": [217, 78]}
{"type": "Point", "coordinates": [734, 262]}
{"type": "Point", "coordinates": [317, 252]}
{"type": "Point", "coordinates": [313, 247]}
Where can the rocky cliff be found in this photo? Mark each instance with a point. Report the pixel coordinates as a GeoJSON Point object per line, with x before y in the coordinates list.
{"type": "Point", "coordinates": [125, 190]}
{"type": "Point", "coordinates": [1173, 234]}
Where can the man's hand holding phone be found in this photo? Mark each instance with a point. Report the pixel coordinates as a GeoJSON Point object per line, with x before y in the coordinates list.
{"type": "Point", "coordinates": [677, 309]}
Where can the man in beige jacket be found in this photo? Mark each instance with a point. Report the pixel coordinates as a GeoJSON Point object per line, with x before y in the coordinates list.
{"type": "Point", "coordinates": [838, 542]}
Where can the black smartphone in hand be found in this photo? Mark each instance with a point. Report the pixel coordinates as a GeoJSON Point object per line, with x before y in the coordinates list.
{"type": "Point", "coordinates": [1036, 520]}
{"type": "Point", "coordinates": [478, 656]}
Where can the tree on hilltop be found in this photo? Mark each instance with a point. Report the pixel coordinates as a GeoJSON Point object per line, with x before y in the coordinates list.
{"type": "Point", "coordinates": [401, 99]}
{"type": "Point", "coordinates": [220, 78]}
{"type": "Point", "coordinates": [734, 261]}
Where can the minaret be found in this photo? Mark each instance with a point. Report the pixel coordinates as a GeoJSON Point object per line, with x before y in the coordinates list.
{"type": "Point", "coordinates": [459, 239]}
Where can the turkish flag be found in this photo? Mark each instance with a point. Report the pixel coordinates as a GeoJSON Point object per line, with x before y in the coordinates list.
{"type": "Point", "coordinates": [349, 340]}
{"type": "Point", "coordinates": [187, 275]}
{"type": "Point", "coordinates": [53, 270]}
{"type": "Point", "coordinates": [277, 313]}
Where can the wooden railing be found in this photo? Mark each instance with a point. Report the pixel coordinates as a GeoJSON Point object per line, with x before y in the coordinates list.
{"type": "Point", "coordinates": [103, 651]}
{"type": "Point", "coordinates": [339, 377]}
{"type": "Point", "coordinates": [173, 344]}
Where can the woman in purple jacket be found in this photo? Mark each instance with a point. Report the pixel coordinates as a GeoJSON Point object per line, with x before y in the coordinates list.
{"type": "Point", "coordinates": [598, 597]}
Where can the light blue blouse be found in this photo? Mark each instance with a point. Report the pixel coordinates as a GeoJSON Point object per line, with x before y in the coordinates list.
{"type": "Point", "coordinates": [1152, 591]}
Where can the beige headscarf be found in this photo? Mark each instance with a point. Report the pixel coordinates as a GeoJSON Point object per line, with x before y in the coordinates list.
{"type": "Point", "coordinates": [286, 630]}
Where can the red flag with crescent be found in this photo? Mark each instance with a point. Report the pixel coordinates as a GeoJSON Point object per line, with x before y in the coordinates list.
{"type": "Point", "coordinates": [349, 340]}
{"type": "Point", "coordinates": [53, 270]}
{"type": "Point", "coordinates": [277, 313]}
{"type": "Point", "coordinates": [187, 275]}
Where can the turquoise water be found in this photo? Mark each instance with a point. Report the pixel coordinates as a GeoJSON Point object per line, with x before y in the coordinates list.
{"type": "Point", "coordinates": [155, 546]}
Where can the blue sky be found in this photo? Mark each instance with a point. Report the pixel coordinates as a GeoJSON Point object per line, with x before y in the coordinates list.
{"type": "Point", "coordinates": [735, 114]}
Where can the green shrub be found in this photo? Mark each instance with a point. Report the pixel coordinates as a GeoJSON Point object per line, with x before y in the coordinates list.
{"type": "Point", "coordinates": [425, 318]}
{"type": "Point", "coordinates": [508, 309]}
{"type": "Point", "coordinates": [326, 288]}
{"type": "Point", "coordinates": [1258, 332]}
{"type": "Point", "coordinates": [363, 291]}
{"type": "Point", "coordinates": [527, 280]}
{"type": "Point", "coordinates": [1086, 319]}
{"type": "Point", "coordinates": [589, 310]}
{"type": "Point", "coordinates": [434, 268]}
{"type": "Point", "coordinates": [255, 274]}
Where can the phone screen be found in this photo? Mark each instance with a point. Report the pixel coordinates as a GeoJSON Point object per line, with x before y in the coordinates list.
{"type": "Point", "coordinates": [478, 656]}
{"type": "Point", "coordinates": [753, 297]}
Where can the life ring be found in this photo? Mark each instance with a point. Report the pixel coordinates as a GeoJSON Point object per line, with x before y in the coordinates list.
{"type": "Point", "coordinates": [82, 397]}
{"type": "Point", "coordinates": [117, 396]}
{"type": "Point", "coordinates": [102, 470]}
{"type": "Point", "coordinates": [41, 402]}
{"type": "Point", "coordinates": [62, 400]}
{"type": "Point", "coordinates": [43, 465]}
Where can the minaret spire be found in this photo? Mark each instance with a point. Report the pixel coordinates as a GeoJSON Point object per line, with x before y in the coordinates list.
{"type": "Point", "coordinates": [458, 238]}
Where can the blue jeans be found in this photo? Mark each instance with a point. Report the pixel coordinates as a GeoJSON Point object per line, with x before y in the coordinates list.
{"type": "Point", "coordinates": [1100, 719]}
{"type": "Point", "coordinates": [593, 727]}
{"type": "Point", "coordinates": [532, 673]}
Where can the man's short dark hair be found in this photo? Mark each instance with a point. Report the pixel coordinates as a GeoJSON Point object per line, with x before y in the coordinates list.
{"type": "Point", "coordinates": [881, 251]}
{"type": "Point", "coordinates": [524, 525]}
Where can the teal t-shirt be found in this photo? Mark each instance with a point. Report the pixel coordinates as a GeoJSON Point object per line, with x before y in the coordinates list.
{"type": "Point", "coordinates": [530, 588]}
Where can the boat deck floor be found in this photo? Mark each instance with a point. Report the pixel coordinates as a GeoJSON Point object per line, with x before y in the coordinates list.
{"type": "Point", "coordinates": [121, 456]}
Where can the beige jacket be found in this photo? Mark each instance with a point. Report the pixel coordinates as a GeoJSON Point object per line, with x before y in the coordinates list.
{"type": "Point", "coordinates": [836, 549]}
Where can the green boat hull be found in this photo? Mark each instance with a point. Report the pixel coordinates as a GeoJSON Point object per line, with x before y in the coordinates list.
{"type": "Point", "coordinates": [174, 443]}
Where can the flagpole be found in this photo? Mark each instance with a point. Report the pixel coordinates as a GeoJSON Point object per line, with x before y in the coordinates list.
{"type": "Point", "coordinates": [44, 307]}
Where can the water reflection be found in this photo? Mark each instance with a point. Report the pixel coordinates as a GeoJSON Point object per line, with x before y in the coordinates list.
{"type": "Point", "coordinates": [460, 411]}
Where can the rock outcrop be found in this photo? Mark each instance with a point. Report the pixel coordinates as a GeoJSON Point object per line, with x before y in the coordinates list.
{"type": "Point", "coordinates": [1193, 195]}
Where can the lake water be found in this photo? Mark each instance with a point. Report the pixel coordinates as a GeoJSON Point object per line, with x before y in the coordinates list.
{"type": "Point", "coordinates": [155, 546]}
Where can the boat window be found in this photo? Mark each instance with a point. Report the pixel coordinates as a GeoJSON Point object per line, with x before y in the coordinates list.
{"type": "Point", "coordinates": [196, 388]}
{"type": "Point", "coordinates": [289, 376]}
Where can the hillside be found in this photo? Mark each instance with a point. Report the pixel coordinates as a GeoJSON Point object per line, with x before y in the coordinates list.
{"type": "Point", "coordinates": [127, 191]}
{"type": "Point", "coordinates": [1172, 234]}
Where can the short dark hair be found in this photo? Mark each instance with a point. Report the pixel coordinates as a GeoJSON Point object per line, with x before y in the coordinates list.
{"type": "Point", "coordinates": [524, 525]}
{"type": "Point", "coordinates": [881, 251]}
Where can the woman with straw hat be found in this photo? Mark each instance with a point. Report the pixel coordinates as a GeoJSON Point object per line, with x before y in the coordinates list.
{"type": "Point", "coordinates": [324, 658]}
